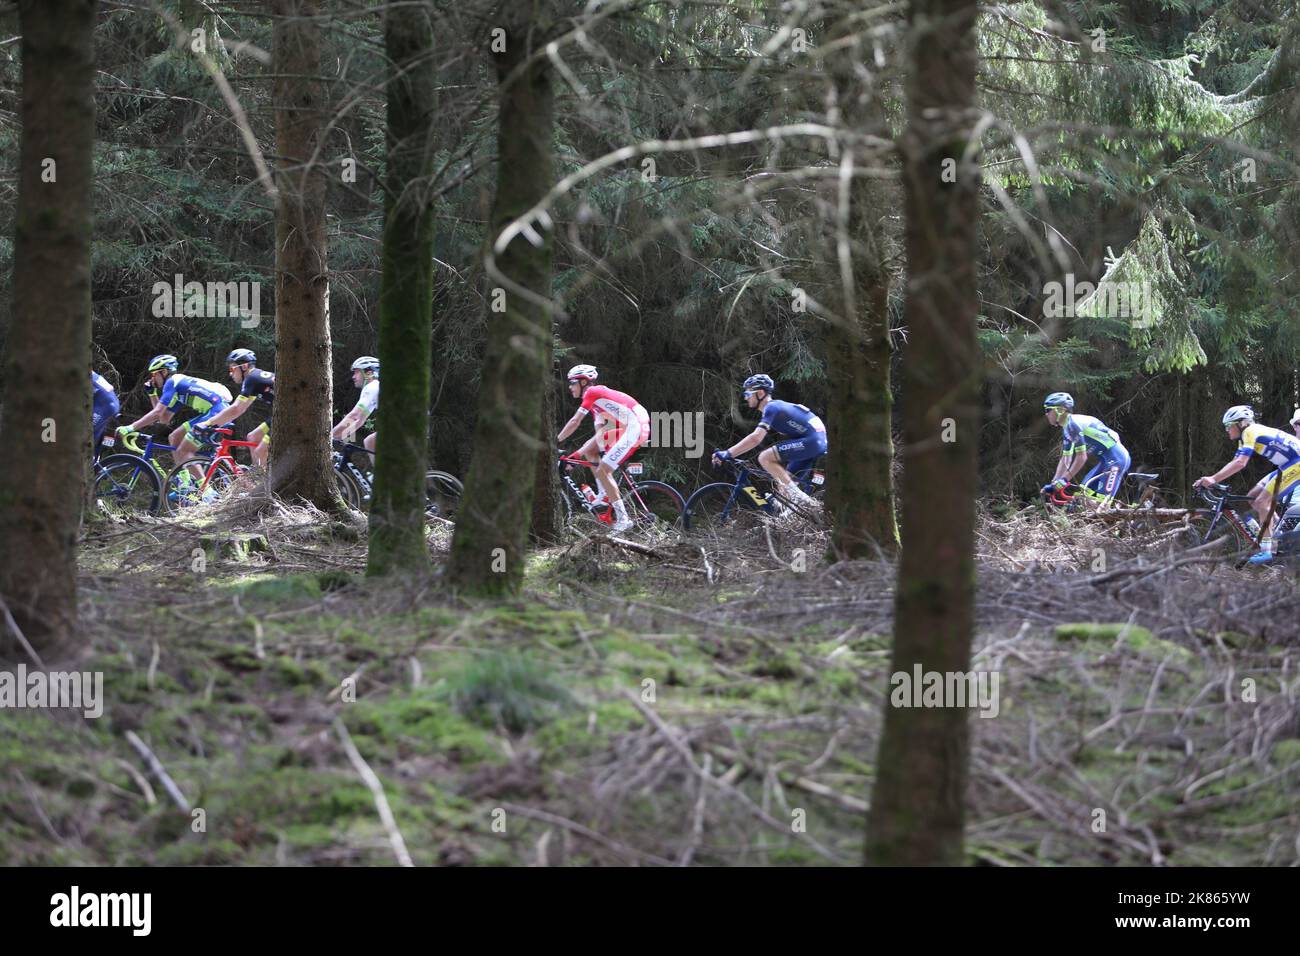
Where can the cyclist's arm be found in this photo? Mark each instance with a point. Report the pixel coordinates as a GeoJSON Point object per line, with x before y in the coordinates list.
{"type": "Point", "coordinates": [571, 425]}
{"type": "Point", "coordinates": [159, 413]}
{"type": "Point", "coordinates": [1071, 466]}
{"type": "Point", "coordinates": [1227, 471]}
{"type": "Point", "coordinates": [230, 412]}
{"type": "Point", "coordinates": [749, 442]}
{"type": "Point", "coordinates": [349, 424]}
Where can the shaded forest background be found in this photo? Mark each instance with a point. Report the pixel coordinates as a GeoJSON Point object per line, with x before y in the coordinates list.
{"type": "Point", "coordinates": [1166, 156]}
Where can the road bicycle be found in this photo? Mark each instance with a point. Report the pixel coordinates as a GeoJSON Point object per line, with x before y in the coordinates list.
{"type": "Point", "coordinates": [126, 454]}
{"type": "Point", "coordinates": [655, 508]}
{"type": "Point", "coordinates": [206, 477]}
{"type": "Point", "coordinates": [125, 483]}
{"type": "Point", "coordinates": [1229, 516]}
{"type": "Point", "coordinates": [1137, 491]}
{"type": "Point", "coordinates": [751, 498]}
{"type": "Point", "coordinates": [352, 466]}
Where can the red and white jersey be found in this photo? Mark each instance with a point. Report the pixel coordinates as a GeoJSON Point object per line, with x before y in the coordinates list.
{"type": "Point", "coordinates": [612, 405]}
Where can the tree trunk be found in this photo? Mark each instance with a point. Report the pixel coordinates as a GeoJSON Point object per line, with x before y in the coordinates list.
{"type": "Point", "coordinates": [45, 422]}
{"type": "Point", "coordinates": [860, 493]}
{"type": "Point", "coordinates": [405, 298]}
{"type": "Point", "coordinates": [917, 813]}
{"type": "Point", "coordinates": [546, 483]}
{"type": "Point", "coordinates": [487, 554]}
{"type": "Point", "coordinates": [304, 385]}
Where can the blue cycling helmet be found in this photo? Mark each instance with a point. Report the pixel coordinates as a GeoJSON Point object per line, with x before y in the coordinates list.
{"type": "Point", "coordinates": [759, 381]}
{"type": "Point", "coordinates": [169, 362]}
{"type": "Point", "coordinates": [240, 356]}
{"type": "Point", "coordinates": [1059, 400]}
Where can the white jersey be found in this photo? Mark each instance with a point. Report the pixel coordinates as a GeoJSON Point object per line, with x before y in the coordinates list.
{"type": "Point", "coordinates": [369, 399]}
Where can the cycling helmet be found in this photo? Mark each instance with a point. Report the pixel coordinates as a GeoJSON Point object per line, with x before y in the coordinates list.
{"type": "Point", "coordinates": [169, 362]}
{"type": "Point", "coordinates": [1295, 419]}
{"type": "Point", "coordinates": [241, 356]}
{"type": "Point", "coordinates": [1059, 400]}
{"type": "Point", "coordinates": [583, 371]}
{"type": "Point", "coordinates": [1238, 413]}
{"type": "Point", "coordinates": [759, 381]}
{"type": "Point", "coordinates": [367, 363]}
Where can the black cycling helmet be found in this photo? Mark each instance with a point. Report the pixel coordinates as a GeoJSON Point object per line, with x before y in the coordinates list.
{"type": "Point", "coordinates": [241, 356]}
{"type": "Point", "coordinates": [760, 381]}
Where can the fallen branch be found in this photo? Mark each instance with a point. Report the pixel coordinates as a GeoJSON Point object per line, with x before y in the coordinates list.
{"type": "Point", "coordinates": [377, 791]}
{"type": "Point", "coordinates": [159, 771]}
{"type": "Point", "coordinates": [686, 755]}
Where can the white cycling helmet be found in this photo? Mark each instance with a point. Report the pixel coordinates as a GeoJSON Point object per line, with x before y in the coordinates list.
{"type": "Point", "coordinates": [1295, 419]}
{"type": "Point", "coordinates": [366, 362]}
{"type": "Point", "coordinates": [583, 371]}
{"type": "Point", "coordinates": [1238, 413]}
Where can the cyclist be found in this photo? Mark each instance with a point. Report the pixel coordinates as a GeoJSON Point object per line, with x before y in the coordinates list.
{"type": "Point", "coordinates": [365, 376]}
{"type": "Point", "coordinates": [1083, 434]}
{"type": "Point", "coordinates": [1295, 422]}
{"type": "Point", "coordinates": [255, 385]}
{"type": "Point", "coordinates": [621, 424]}
{"type": "Point", "coordinates": [104, 407]}
{"type": "Point", "coordinates": [803, 439]}
{"type": "Point", "coordinates": [1272, 444]}
{"type": "Point", "coordinates": [170, 390]}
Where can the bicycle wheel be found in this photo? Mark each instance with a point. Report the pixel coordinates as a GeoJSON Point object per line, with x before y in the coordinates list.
{"type": "Point", "coordinates": [348, 488]}
{"type": "Point", "coordinates": [443, 492]}
{"type": "Point", "coordinates": [127, 484]}
{"type": "Point", "coordinates": [719, 507]}
{"type": "Point", "coordinates": [188, 485]}
{"type": "Point", "coordinates": [1202, 530]}
{"type": "Point", "coordinates": [654, 507]}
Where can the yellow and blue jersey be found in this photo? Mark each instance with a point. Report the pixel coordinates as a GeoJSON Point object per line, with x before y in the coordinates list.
{"type": "Point", "coordinates": [1272, 444]}
{"type": "Point", "coordinates": [1083, 432]}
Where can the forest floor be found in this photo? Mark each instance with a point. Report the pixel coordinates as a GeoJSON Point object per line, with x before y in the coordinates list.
{"type": "Point", "coordinates": [707, 706]}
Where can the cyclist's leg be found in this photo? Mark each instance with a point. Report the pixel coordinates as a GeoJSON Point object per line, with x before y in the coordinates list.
{"type": "Point", "coordinates": [262, 435]}
{"type": "Point", "coordinates": [778, 459]}
{"type": "Point", "coordinates": [1112, 470]}
{"type": "Point", "coordinates": [103, 412]}
{"type": "Point", "coordinates": [631, 435]}
{"type": "Point", "coordinates": [1280, 484]}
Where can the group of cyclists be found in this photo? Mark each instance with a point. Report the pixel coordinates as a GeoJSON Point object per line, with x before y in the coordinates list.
{"type": "Point", "coordinates": [214, 406]}
{"type": "Point", "coordinates": [1084, 435]}
{"type": "Point", "coordinates": [621, 426]}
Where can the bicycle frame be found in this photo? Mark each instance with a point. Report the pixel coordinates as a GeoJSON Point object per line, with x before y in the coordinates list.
{"type": "Point", "coordinates": [601, 512]}
{"type": "Point", "coordinates": [808, 479]}
{"type": "Point", "coordinates": [1220, 509]}
{"type": "Point", "coordinates": [222, 454]}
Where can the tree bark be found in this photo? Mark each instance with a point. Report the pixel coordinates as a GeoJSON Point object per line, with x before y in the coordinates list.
{"type": "Point", "coordinates": [45, 422]}
{"type": "Point", "coordinates": [488, 550]}
{"type": "Point", "coordinates": [301, 467]}
{"type": "Point", "coordinates": [917, 812]}
{"type": "Point", "coordinates": [397, 541]}
{"type": "Point", "coordinates": [860, 491]}
{"type": "Point", "coordinates": [546, 483]}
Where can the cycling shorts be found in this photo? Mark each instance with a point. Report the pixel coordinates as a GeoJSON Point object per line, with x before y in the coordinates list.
{"type": "Point", "coordinates": [622, 441]}
{"type": "Point", "coordinates": [103, 411]}
{"type": "Point", "coordinates": [800, 453]}
{"type": "Point", "coordinates": [1106, 475]}
{"type": "Point", "coordinates": [1281, 483]}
